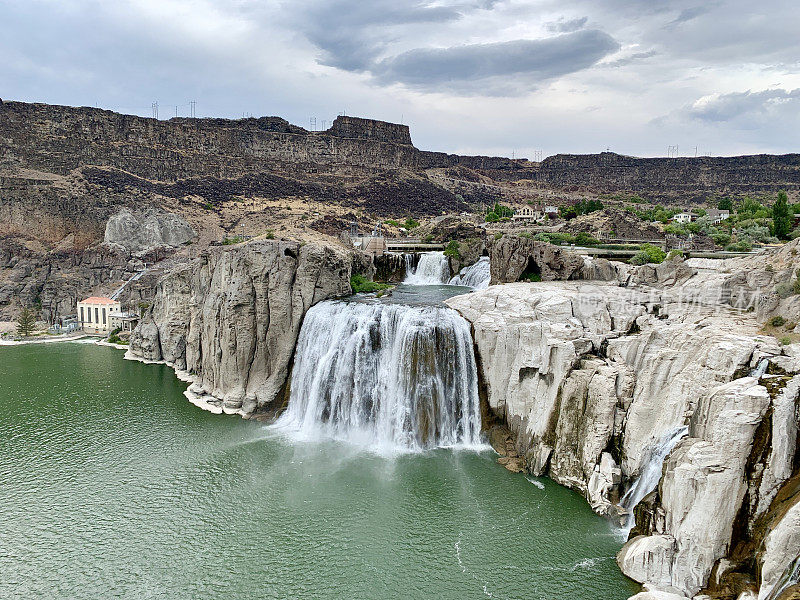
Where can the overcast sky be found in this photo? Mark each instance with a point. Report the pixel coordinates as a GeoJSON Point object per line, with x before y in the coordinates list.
{"type": "Point", "coordinates": [469, 76]}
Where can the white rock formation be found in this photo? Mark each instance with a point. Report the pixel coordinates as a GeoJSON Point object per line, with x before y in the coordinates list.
{"type": "Point", "coordinates": [541, 345]}
{"type": "Point", "coordinates": [591, 376]}
{"type": "Point", "coordinates": [782, 551]}
{"type": "Point", "coordinates": [701, 491]}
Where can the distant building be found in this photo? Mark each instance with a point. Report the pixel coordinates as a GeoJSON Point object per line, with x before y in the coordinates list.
{"type": "Point", "coordinates": [94, 313]}
{"type": "Point", "coordinates": [551, 211]}
{"type": "Point", "coordinates": [124, 321]}
{"type": "Point", "coordinates": [717, 216]}
{"type": "Point", "coordinates": [527, 213]}
{"type": "Point", "coordinates": [683, 217]}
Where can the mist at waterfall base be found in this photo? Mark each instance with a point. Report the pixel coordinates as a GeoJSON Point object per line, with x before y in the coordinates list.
{"type": "Point", "coordinates": [115, 486]}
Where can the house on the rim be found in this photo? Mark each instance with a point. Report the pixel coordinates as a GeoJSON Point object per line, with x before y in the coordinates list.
{"type": "Point", "coordinates": [94, 313]}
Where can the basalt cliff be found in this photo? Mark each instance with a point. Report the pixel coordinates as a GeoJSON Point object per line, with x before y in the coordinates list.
{"type": "Point", "coordinates": [66, 171]}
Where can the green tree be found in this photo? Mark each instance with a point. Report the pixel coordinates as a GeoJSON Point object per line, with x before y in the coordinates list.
{"type": "Point", "coordinates": [452, 249]}
{"type": "Point", "coordinates": [780, 217]}
{"type": "Point", "coordinates": [725, 204]}
{"type": "Point", "coordinates": [648, 253]}
{"type": "Point", "coordinates": [26, 322]}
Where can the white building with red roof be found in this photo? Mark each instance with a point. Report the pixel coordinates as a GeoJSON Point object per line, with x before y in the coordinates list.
{"type": "Point", "coordinates": [94, 313]}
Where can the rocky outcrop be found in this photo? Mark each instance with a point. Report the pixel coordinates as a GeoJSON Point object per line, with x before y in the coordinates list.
{"type": "Point", "coordinates": [230, 320]}
{"type": "Point", "coordinates": [144, 231]}
{"type": "Point", "coordinates": [703, 476]}
{"type": "Point", "coordinates": [53, 281]}
{"type": "Point", "coordinates": [613, 223]}
{"type": "Point", "coordinates": [589, 377]}
{"type": "Point", "coordinates": [577, 370]}
{"type": "Point", "coordinates": [515, 257]}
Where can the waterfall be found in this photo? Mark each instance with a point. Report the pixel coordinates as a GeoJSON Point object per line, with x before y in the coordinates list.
{"type": "Point", "coordinates": [651, 471]}
{"type": "Point", "coordinates": [476, 276]}
{"type": "Point", "coordinates": [433, 268]}
{"type": "Point", "coordinates": [789, 578]}
{"type": "Point", "coordinates": [760, 369]}
{"type": "Point", "coordinates": [388, 376]}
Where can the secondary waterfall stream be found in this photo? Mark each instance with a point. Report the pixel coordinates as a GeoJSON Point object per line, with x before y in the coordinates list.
{"type": "Point", "coordinates": [433, 268]}
{"type": "Point", "coordinates": [389, 376]}
{"type": "Point", "coordinates": [476, 276]}
{"type": "Point", "coordinates": [651, 471]}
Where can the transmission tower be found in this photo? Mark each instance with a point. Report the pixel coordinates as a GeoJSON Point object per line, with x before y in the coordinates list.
{"type": "Point", "coordinates": [154, 106]}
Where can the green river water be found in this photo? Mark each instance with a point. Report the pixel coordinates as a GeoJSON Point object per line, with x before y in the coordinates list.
{"type": "Point", "coordinates": [112, 485]}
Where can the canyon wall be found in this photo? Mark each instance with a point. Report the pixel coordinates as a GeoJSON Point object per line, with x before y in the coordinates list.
{"type": "Point", "coordinates": [59, 139]}
{"type": "Point", "coordinates": [230, 319]}
{"type": "Point", "coordinates": [670, 179]}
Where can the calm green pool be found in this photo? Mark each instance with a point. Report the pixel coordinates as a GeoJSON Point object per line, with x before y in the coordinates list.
{"type": "Point", "coordinates": [113, 485]}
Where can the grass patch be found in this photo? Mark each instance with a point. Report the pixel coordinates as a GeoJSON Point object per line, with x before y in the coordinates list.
{"type": "Point", "coordinates": [361, 285]}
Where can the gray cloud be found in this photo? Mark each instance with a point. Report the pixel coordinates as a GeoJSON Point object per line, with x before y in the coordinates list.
{"type": "Point", "coordinates": [687, 14]}
{"type": "Point", "coordinates": [636, 56]}
{"type": "Point", "coordinates": [538, 60]}
{"type": "Point", "coordinates": [747, 109]}
{"type": "Point", "coordinates": [446, 67]}
{"type": "Point", "coordinates": [566, 25]}
{"type": "Point", "coordinates": [351, 34]}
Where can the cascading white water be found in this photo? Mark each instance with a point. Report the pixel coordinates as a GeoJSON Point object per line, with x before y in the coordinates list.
{"type": "Point", "coordinates": [760, 369]}
{"type": "Point", "coordinates": [476, 276]}
{"type": "Point", "coordinates": [388, 376]}
{"type": "Point", "coordinates": [789, 578]}
{"type": "Point", "coordinates": [651, 471]}
{"type": "Point", "coordinates": [433, 268]}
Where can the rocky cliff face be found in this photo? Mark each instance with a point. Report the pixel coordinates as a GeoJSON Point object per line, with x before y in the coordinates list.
{"type": "Point", "coordinates": [230, 320]}
{"type": "Point", "coordinates": [146, 230]}
{"type": "Point", "coordinates": [514, 257]}
{"type": "Point", "coordinates": [591, 377]}
{"type": "Point", "coordinates": [672, 178]}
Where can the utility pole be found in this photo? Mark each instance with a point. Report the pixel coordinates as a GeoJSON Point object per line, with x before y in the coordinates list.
{"type": "Point", "coordinates": [154, 106]}
{"type": "Point", "coordinates": [192, 105]}
{"type": "Point", "coordinates": [313, 123]}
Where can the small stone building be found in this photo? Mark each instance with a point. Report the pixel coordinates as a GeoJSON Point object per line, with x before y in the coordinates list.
{"type": "Point", "coordinates": [94, 313]}
{"type": "Point", "coordinates": [527, 213]}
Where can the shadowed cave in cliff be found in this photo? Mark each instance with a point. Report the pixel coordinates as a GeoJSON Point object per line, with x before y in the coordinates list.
{"type": "Point", "coordinates": [532, 271]}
